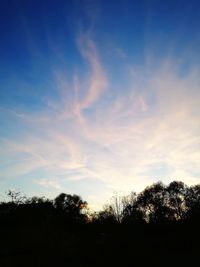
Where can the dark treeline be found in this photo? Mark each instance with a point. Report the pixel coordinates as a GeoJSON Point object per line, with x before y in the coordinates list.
{"type": "Point", "coordinates": [158, 226]}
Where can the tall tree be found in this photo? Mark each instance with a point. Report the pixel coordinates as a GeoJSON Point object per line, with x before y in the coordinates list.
{"type": "Point", "coordinates": [72, 205]}
{"type": "Point", "coordinates": [177, 194]}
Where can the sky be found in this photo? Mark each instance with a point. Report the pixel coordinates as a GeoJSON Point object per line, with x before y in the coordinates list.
{"type": "Point", "coordinates": [98, 97]}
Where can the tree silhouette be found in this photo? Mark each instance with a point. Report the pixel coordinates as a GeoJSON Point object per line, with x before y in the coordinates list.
{"type": "Point", "coordinates": [153, 202]}
{"type": "Point", "coordinates": [16, 197]}
{"type": "Point", "coordinates": [132, 213]}
{"type": "Point", "coordinates": [192, 202]}
{"type": "Point", "coordinates": [159, 223]}
{"type": "Point", "coordinates": [72, 205]}
{"type": "Point", "coordinates": [177, 192]}
{"type": "Point", "coordinates": [106, 216]}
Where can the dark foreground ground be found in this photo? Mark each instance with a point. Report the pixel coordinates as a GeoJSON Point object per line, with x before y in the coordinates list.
{"type": "Point", "coordinates": [97, 245]}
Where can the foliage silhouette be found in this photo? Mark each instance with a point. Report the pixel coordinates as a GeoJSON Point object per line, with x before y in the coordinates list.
{"type": "Point", "coordinates": [159, 224]}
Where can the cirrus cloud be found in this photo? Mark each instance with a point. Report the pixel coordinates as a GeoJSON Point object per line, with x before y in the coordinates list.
{"type": "Point", "coordinates": [148, 131]}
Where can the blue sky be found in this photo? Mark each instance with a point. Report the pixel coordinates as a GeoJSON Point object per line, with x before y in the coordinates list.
{"type": "Point", "coordinates": [98, 96]}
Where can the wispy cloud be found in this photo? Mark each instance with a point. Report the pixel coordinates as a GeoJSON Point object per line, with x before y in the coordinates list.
{"type": "Point", "coordinates": [149, 131]}
{"type": "Point", "coordinates": [49, 183]}
{"type": "Point", "coordinates": [97, 82]}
